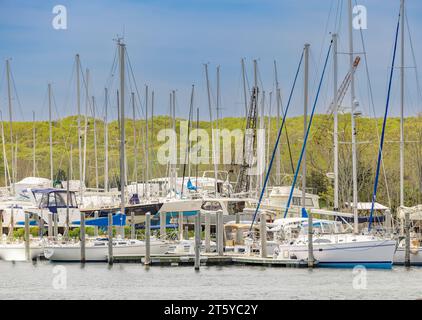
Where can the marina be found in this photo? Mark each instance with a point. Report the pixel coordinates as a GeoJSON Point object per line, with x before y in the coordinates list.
{"type": "Point", "coordinates": [302, 184]}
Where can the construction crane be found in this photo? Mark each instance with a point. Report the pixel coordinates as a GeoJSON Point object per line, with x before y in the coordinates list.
{"type": "Point", "coordinates": [243, 179]}
{"type": "Point", "coordinates": [344, 85]}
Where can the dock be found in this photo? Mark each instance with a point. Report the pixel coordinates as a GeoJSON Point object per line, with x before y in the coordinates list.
{"type": "Point", "coordinates": [211, 260]}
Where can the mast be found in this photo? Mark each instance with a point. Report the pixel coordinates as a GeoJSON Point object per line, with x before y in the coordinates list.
{"type": "Point", "coordinates": [86, 122]}
{"type": "Point", "coordinates": [214, 157]}
{"type": "Point", "coordinates": [174, 160]}
{"type": "Point", "coordinates": [335, 77]}
{"type": "Point", "coordinates": [152, 117]}
{"type": "Point", "coordinates": [278, 99]}
{"type": "Point", "coordinates": [106, 141]}
{"type": "Point", "coordinates": [122, 126]}
{"type": "Point", "coordinates": [95, 144]}
{"type": "Point", "coordinates": [218, 98]}
{"type": "Point", "coordinates": [261, 154]}
{"type": "Point", "coordinates": [305, 122]}
{"type": "Point", "coordinates": [33, 145]}
{"type": "Point", "coordinates": [78, 99]}
{"type": "Point", "coordinates": [6, 166]}
{"type": "Point", "coordinates": [135, 148]}
{"type": "Point", "coordinates": [245, 98]}
{"type": "Point", "coordinates": [51, 136]}
{"type": "Point", "coordinates": [146, 144]}
{"type": "Point", "coordinates": [9, 96]}
{"type": "Point", "coordinates": [71, 163]}
{"type": "Point", "coordinates": [402, 108]}
{"type": "Point", "coordinates": [352, 115]}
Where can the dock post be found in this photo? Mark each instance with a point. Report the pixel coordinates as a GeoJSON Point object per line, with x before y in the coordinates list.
{"type": "Point", "coordinates": [82, 237]}
{"type": "Point", "coordinates": [186, 233]}
{"type": "Point", "coordinates": [310, 239]}
{"type": "Point", "coordinates": [197, 239]}
{"type": "Point", "coordinates": [407, 238]}
{"type": "Point", "coordinates": [263, 235]}
{"type": "Point", "coordinates": [110, 238]}
{"type": "Point", "coordinates": [220, 233]}
{"type": "Point", "coordinates": [147, 239]}
{"type": "Point", "coordinates": [96, 227]}
{"type": "Point", "coordinates": [40, 225]}
{"type": "Point", "coordinates": [132, 225]}
{"type": "Point", "coordinates": [55, 225]}
{"type": "Point", "coordinates": [27, 253]}
{"type": "Point", "coordinates": [50, 225]}
{"type": "Point", "coordinates": [207, 232]}
{"type": "Point", "coordinates": [163, 217]}
{"type": "Point", "coordinates": [180, 222]}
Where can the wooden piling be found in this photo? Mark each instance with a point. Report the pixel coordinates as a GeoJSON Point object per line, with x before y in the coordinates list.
{"type": "Point", "coordinates": [207, 232]}
{"type": "Point", "coordinates": [1, 222]}
{"type": "Point", "coordinates": [110, 238]}
{"type": "Point", "coordinates": [162, 225]}
{"type": "Point", "coordinates": [50, 225]}
{"type": "Point", "coordinates": [220, 233]}
{"type": "Point", "coordinates": [55, 225]}
{"type": "Point", "coordinates": [310, 240]}
{"type": "Point", "coordinates": [180, 222]}
{"type": "Point", "coordinates": [82, 237]}
{"type": "Point", "coordinates": [197, 239]}
{"type": "Point", "coordinates": [27, 249]}
{"type": "Point", "coordinates": [147, 260]}
{"type": "Point", "coordinates": [263, 235]}
{"type": "Point", "coordinates": [96, 227]}
{"type": "Point", "coordinates": [132, 225]}
{"type": "Point", "coordinates": [407, 238]}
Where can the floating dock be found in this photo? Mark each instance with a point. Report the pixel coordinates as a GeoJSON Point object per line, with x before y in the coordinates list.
{"type": "Point", "coordinates": [212, 260]}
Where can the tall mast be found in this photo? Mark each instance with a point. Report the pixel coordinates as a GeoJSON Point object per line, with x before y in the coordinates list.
{"type": "Point", "coordinates": [278, 99]}
{"type": "Point", "coordinates": [335, 79]}
{"type": "Point", "coordinates": [152, 117]}
{"type": "Point", "coordinates": [352, 115]}
{"type": "Point", "coordinates": [214, 157]}
{"type": "Point", "coordinates": [174, 160]}
{"type": "Point", "coordinates": [218, 98]}
{"type": "Point", "coordinates": [9, 95]}
{"type": "Point", "coordinates": [78, 100]}
{"type": "Point", "coordinates": [305, 121]}
{"type": "Point", "coordinates": [402, 108]}
{"type": "Point", "coordinates": [106, 141]}
{"type": "Point", "coordinates": [261, 154]}
{"type": "Point", "coordinates": [95, 144]}
{"type": "Point", "coordinates": [51, 136]}
{"type": "Point", "coordinates": [245, 98]}
{"type": "Point", "coordinates": [122, 125]}
{"type": "Point", "coordinates": [86, 122]}
{"type": "Point", "coordinates": [33, 145]}
{"type": "Point", "coordinates": [71, 163]}
{"type": "Point", "coordinates": [135, 148]}
{"type": "Point", "coordinates": [6, 166]}
{"type": "Point", "coordinates": [146, 143]}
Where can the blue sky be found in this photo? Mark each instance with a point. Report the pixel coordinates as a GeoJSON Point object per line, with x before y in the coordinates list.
{"type": "Point", "coordinates": [168, 42]}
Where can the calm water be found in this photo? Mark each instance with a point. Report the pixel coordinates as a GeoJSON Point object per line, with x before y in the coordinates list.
{"type": "Point", "coordinates": [41, 280]}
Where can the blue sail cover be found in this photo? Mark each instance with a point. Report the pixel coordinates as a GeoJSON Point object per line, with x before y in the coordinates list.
{"type": "Point", "coordinates": [304, 213]}
{"type": "Point", "coordinates": [118, 220]}
{"type": "Point", "coordinates": [190, 186]}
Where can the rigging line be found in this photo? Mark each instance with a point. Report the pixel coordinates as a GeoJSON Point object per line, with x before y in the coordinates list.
{"type": "Point", "coordinates": [418, 87]}
{"type": "Point", "coordinates": [307, 132]}
{"type": "Point", "coordinates": [374, 195]}
{"type": "Point", "coordinates": [16, 94]}
{"type": "Point", "coordinates": [66, 100]}
{"type": "Point", "coordinates": [371, 96]}
{"type": "Point", "coordinates": [142, 114]}
{"type": "Point", "coordinates": [280, 130]}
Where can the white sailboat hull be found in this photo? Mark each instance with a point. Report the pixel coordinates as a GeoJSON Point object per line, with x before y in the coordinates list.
{"type": "Point", "coordinates": [100, 253]}
{"type": "Point", "coordinates": [371, 253]}
{"type": "Point", "coordinates": [16, 252]}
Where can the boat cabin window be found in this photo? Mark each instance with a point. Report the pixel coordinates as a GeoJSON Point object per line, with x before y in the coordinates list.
{"type": "Point", "coordinates": [57, 199]}
{"type": "Point", "coordinates": [211, 206]}
{"type": "Point", "coordinates": [297, 201]}
{"type": "Point", "coordinates": [234, 207]}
